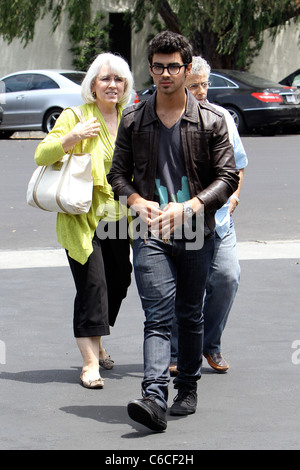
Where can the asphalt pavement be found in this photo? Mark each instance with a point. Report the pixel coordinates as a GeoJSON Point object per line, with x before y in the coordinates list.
{"type": "Point", "coordinates": [254, 406]}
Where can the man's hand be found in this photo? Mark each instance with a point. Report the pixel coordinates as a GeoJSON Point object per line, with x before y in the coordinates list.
{"type": "Point", "coordinates": [161, 223]}
{"type": "Point", "coordinates": [171, 218]}
{"type": "Point", "coordinates": [233, 203]}
{"type": "Point", "coordinates": [146, 210]}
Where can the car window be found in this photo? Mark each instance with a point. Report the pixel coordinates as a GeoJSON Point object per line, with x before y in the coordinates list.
{"type": "Point", "coordinates": [252, 80]}
{"type": "Point", "coordinates": [17, 83]}
{"type": "Point", "coordinates": [220, 82]}
{"type": "Point", "coordinates": [296, 81]}
{"type": "Point", "coordinates": [42, 82]}
{"type": "Point", "coordinates": [76, 77]}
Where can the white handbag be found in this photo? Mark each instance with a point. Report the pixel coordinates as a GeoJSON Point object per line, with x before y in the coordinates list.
{"type": "Point", "coordinates": [65, 186]}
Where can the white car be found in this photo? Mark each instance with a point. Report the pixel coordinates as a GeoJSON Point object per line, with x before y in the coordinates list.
{"type": "Point", "coordinates": [32, 100]}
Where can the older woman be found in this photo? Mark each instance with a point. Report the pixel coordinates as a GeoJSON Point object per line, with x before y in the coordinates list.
{"type": "Point", "coordinates": [100, 265]}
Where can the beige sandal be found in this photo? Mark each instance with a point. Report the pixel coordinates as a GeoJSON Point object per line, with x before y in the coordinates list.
{"type": "Point", "coordinates": [93, 384]}
{"type": "Point", "coordinates": [107, 363]}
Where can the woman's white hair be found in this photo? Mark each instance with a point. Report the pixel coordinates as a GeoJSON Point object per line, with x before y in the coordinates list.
{"type": "Point", "coordinates": [118, 66]}
{"type": "Point", "coordinates": [199, 65]}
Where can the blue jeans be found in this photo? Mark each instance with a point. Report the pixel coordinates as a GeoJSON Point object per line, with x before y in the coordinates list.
{"type": "Point", "coordinates": [221, 289]}
{"type": "Point", "coordinates": [171, 282]}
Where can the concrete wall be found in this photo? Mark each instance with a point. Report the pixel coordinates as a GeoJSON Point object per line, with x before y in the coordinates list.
{"type": "Point", "coordinates": [51, 51]}
{"type": "Point", "coordinates": [279, 58]}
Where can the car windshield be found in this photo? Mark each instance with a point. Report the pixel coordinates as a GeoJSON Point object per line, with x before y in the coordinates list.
{"type": "Point", "coordinates": [252, 80]}
{"type": "Point", "coordinates": [76, 77]}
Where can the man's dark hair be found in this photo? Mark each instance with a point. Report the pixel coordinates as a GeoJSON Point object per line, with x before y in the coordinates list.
{"type": "Point", "coordinates": [168, 42]}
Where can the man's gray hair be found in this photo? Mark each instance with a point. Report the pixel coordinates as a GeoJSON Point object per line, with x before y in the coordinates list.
{"type": "Point", "coordinates": [200, 65]}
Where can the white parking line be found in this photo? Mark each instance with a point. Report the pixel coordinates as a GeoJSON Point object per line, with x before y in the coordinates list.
{"type": "Point", "coordinates": [287, 249]}
{"type": "Point", "coordinates": [281, 249]}
{"type": "Point", "coordinates": [33, 259]}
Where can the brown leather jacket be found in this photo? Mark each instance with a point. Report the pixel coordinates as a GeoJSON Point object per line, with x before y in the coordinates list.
{"type": "Point", "coordinates": [208, 154]}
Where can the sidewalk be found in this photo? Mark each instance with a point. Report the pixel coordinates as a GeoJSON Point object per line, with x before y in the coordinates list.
{"type": "Point", "coordinates": [254, 406]}
{"type": "Point", "coordinates": [56, 257]}
{"type": "Point", "coordinates": [29, 135]}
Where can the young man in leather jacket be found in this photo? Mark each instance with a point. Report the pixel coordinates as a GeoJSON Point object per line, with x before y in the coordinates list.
{"type": "Point", "coordinates": [174, 164]}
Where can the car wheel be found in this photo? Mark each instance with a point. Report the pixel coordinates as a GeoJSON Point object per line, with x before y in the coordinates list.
{"type": "Point", "coordinates": [6, 134]}
{"type": "Point", "coordinates": [50, 119]}
{"type": "Point", "coordinates": [238, 119]}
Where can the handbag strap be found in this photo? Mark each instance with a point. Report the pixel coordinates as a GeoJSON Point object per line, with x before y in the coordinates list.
{"type": "Point", "coordinates": [81, 117]}
{"type": "Point", "coordinates": [79, 113]}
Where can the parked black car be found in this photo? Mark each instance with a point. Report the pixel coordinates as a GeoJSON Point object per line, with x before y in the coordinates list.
{"type": "Point", "coordinates": [145, 94]}
{"type": "Point", "coordinates": [292, 80]}
{"type": "Point", "coordinates": [254, 102]}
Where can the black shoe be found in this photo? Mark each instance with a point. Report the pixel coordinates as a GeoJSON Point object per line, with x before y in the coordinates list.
{"type": "Point", "coordinates": [185, 403]}
{"type": "Point", "coordinates": [147, 412]}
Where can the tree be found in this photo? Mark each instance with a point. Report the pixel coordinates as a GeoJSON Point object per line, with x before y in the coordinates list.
{"type": "Point", "coordinates": [18, 17]}
{"type": "Point", "coordinates": [87, 35]}
{"type": "Point", "coordinates": [92, 41]}
{"type": "Point", "coordinates": [228, 32]}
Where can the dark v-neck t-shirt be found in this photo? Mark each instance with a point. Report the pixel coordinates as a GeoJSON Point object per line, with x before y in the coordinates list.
{"type": "Point", "coordinates": [171, 184]}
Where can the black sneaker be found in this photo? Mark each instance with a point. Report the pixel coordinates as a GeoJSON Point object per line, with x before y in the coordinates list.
{"type": "Point", "coordinates": [185, 403]}
{"type": "Point", "coordinates": [147, 412]}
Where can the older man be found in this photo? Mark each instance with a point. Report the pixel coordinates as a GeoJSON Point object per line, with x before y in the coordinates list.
{"type": "Point", "coordinates": [224, 273]}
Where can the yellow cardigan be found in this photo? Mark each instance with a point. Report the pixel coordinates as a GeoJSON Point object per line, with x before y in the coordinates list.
{"type": "Point", "coordinates": [75, 232]}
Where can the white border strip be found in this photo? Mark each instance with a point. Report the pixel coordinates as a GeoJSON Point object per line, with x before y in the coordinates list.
{"type": "Point", "coordinates": [288, 249]}
{"type": "Point", "coordinates": [46, 258]}
{"type": "Point", "coordinates": [33, 259]}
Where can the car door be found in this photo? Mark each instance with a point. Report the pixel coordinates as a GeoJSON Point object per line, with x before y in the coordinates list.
{"type": "Point", "coordinates": [221, 88]}
{"type": "Point", "coordinates": [13, 99]}
{"type": "Point", "coordinates": [37, 98]}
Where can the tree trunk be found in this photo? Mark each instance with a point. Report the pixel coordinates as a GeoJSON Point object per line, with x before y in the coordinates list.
{"type": "Point", "coordinates": [205, 44]}
{"type": "Point", "coordinates": [169, 17]}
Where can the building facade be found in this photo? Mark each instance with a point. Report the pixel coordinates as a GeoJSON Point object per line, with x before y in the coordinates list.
{"type": "Point", "coordinates": [276, 59]}
{"type": "Point", "coordinates": [52, 51]}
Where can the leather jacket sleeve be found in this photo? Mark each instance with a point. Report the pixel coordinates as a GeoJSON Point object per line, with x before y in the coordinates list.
{"type": "Point", "coordinates": [222, 171]}
{"type": "Point", "coordinates": [122, 169]}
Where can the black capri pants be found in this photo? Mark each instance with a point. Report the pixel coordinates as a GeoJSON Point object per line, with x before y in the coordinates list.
{"type": "Point", "coordinates": [101, 285]}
